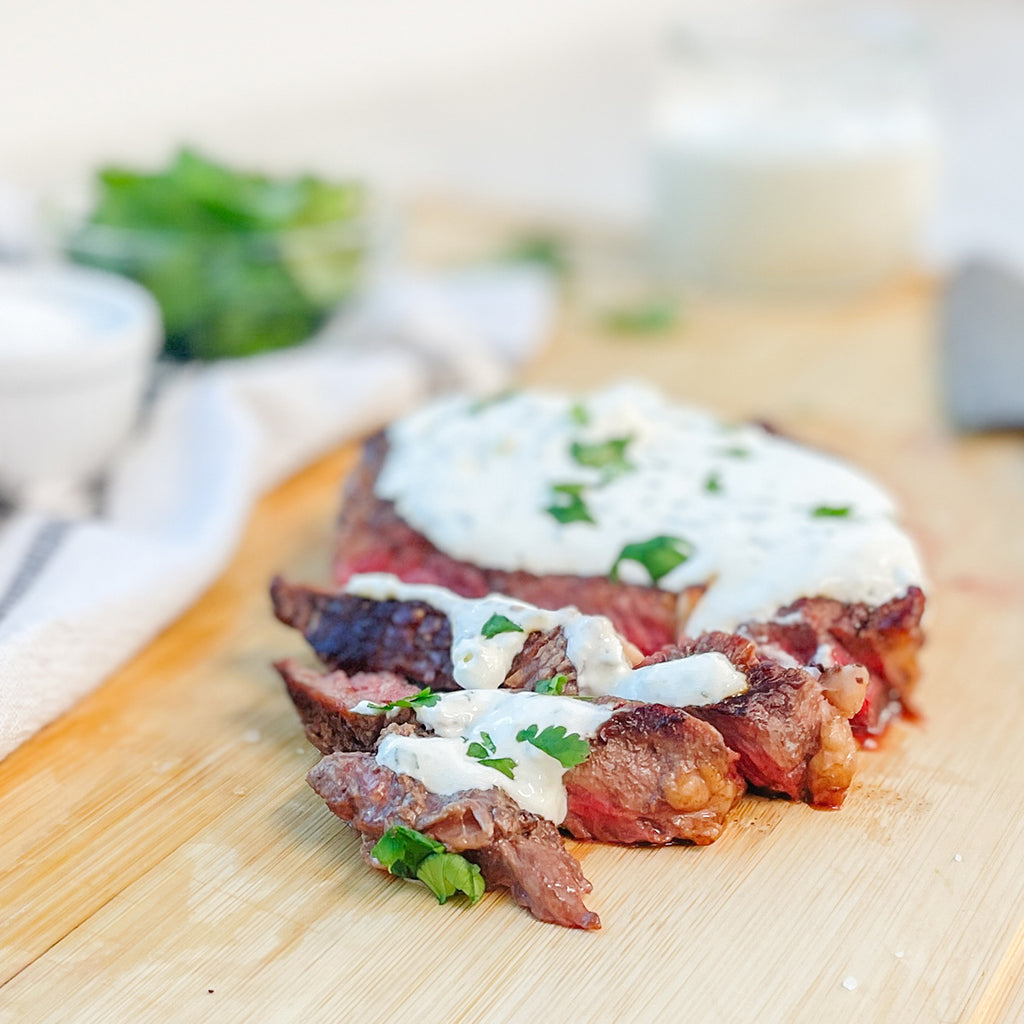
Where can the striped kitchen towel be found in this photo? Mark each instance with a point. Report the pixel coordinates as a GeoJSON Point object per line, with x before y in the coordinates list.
{"type": "Point", "coordinates": [80, 593]}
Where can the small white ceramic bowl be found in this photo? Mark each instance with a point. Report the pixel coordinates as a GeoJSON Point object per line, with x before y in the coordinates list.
{"type": "Point", "coordinates": [76, 351]}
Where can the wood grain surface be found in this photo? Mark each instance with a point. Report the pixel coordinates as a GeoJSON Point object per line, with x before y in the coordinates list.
{"type": "Point", "coordinates": [163, 860]}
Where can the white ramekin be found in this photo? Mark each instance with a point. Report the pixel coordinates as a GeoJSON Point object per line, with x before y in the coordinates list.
{"type": "Point", "coordinates": [76, 351]}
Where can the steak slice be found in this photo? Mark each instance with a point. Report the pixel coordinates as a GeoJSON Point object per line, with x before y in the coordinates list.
{"type": "Point", "coordinates": [514, 849]}
{"type": "Point", "coordinates": [325, 701]}
{"type": "Point", "coordinates": [357, 634]}
{"type": "Point", "coordinates": [886, 640]}
{"type": "Point", "coordinates": [790, 737]}
{"type": "Point", "coordinates": [655, 774]}
{"type": "Point", "coordinates": [409, 638]}
{"type": "Point", "coordinates": [373, 537]}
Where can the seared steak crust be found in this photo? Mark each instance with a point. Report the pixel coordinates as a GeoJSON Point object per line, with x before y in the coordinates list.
{"type": "Point", "coordinates": [357, 634]}
{"type": "Point", "coordinates": [513, 848]}
{"type": "Point", "coordinates": [409, 638]}
{"type": "Point", "coordinates": [372, 537]}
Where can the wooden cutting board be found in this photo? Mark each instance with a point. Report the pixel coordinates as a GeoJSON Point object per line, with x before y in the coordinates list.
{"type": "Point", "coordinates": [163, 860]}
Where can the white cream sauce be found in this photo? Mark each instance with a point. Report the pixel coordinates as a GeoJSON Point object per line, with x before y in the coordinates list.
{"type": "Point", "coordinates": [593, 647]}
{"type": "Point", "coordinates": [441, 761]}
{"type": "Point", "coordinates": [480, 662]}
{"type": "Point", "coordinates": [685, 682]}
{"type": "Point", "coordinates": [477, 480]}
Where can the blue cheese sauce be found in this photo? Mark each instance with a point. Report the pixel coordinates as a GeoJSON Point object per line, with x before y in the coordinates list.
{"type": "Point", "coordinates": [763, 521]}
{"type": "Point", "coordinates": [442, 761]}
{"type": "Point", "coordinates": [480, 711]}
{"type": "Point", "coordinates": [685, 682]}
{"type": "Point", "coordinates": [599, 655]}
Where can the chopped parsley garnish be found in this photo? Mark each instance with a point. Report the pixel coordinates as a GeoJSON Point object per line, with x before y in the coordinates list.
{"type": "Point", "coordinates": [488, 400]}
{"type": "Point", "coordinates": [659, 556]}
{"type": "Point", "coordinates": [835, 511]}
{"type": "Point", "coordinates": [737, 452]}
{"type": "Point", "coordinates": [446, 874]}
{"type": "Point", "coordinates": [650, 317]}
{"type": "Point", "coordinates": [409, 854]}
{"type": "Point", "coordinates": [568, 750]}
{"type": "Point", "coordinates": [713, 484]}
{"type": "Point", "coordinates": [578, 414]}
{"type": "Point", "coordinates": [545, 250]}
{"type": "Point", "coordinates": [499, 624]}
{"type": "Point", "coordinates": [555, 685]}
{"type": "Point", "coordinates": [426, 698]}
{"type": "Point", "coordinates": [609, 455]}
{"type": "Point", "coordinates": [569, 505]}
{"type": "Point", "coordinates": [483, 750]}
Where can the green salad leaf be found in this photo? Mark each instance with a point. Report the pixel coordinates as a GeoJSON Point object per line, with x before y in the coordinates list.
{"type": "Point", "coordinates": [238, 262]}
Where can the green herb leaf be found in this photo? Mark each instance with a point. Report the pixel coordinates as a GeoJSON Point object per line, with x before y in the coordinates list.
{"type": "Point", "coordinates": [543, 249]}
{"type": "Point", "coordinates": [568, 749]}
{"type": "Point", "coordinates": [570, 506]}
{"type": "Point", "coordinates": [659, 555]}
{"type": "Point", "coordinates": [482, 749]}
{"type": "Point", "coordinates": [823, 511]}
{"type": "Point", "coordinates": [555, 685]}
{"type": "Point", "coordinates": [402, 849]}
{"type": "Point", "coordinates": [482, 752]}
{"type": "Point", "coordinates": [499, 624]}
{"type": "Point", "coordinates": [426, 698]}
{"type": "Point", "coordinates": [713, 484]}
{"type": "Point", "coordinates": [410, 854]}
{"type": "Point", "coordinates": [578, 414]}
{"type": "Point", "coordinates": [505, 765]}
{"type": "Point", "coordinates": [609, 455]}
{"type": "Point", "coordinates": [488, 400]}
{"type": "Point", "coordinates": [446, 874]}
{"type": "Point", "coordinates": [650, 317]}
{"type": "Point", "coordinates": [737, 452]}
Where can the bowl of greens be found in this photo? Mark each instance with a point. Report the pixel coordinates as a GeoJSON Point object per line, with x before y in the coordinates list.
{"type": "Point", "coordinates": [239, 262]}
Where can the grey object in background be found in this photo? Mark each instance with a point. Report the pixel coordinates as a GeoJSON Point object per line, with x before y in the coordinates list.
{"type": "Point", "coordinates": [982, 335]}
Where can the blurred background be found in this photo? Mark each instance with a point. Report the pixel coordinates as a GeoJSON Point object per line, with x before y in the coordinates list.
{"type": "Point", "coordinates": [545, 107]}
{"type": "Point", "coordinates": [255, 166]}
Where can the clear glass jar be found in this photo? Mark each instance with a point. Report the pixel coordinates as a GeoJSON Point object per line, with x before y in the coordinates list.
{"type": "Point", "coordinates": [794, 147]}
